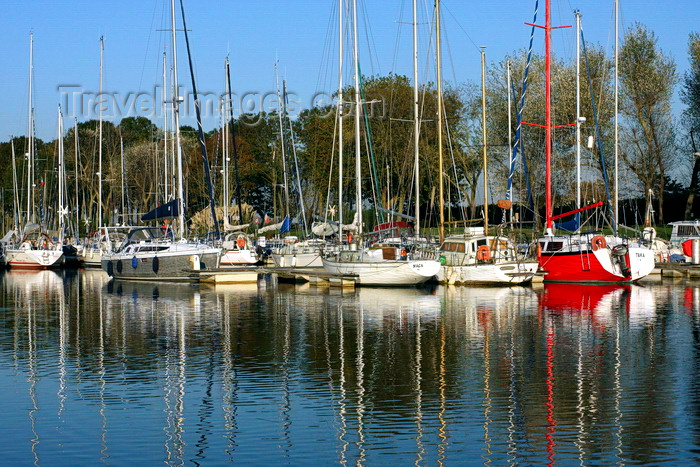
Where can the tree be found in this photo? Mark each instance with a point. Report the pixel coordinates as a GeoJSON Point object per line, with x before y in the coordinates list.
{"type": "Point", "coordinates": [690, 95]}
{"type": "Point", "coordinates": [647, 79]}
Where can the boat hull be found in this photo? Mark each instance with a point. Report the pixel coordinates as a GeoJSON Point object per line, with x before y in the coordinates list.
{"type": "Point", "coordinates": [596, 266]}
{"type": "Point", "coordinates": [297, 260]}
{"type": "Point", "coordinates": [385, 273]}
{"type": "Point", "coordinates": [488, 274]}
{"type": "Point", "coordinates": [239, 258]}
{"type": "Point", "coordinates": [183, 265]}
{"type": "Point", "coordinates": [33, 259]}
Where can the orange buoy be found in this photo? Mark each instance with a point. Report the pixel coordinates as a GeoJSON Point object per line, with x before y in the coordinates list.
{"type": "Point", "coordinates": [240, 242]}
{"type": "Point", "coordinates": [483, 253]}
{"type": "Point", "coordinates": [598, 242]}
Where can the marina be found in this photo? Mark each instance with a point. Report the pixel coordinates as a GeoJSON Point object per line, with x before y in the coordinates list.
{"type": "Point", "coordinates": [387, 270]}
{"type": "Point", "coordinates": [103, 371]}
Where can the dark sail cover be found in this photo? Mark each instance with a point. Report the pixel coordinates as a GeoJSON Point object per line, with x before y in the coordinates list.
{"type": "Point", "coordinates": [169, 209]}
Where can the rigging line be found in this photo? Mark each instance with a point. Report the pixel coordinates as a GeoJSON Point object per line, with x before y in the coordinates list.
{"type": "Point", "coordinates": [444, 7]}
{"type": "Point", "coordinates": [397, 34]}
{"type": "Point", "coordinates": [325, 53]}
{"type": "Point", "coordinates": [148, 41]}
{"type": "Point", "coordinates": [371, 44]}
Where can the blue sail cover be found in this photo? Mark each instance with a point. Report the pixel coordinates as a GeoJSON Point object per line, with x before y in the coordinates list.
{"type": "Point", "coordinates": [169, 209]}
{"type": "Point", "coordinates": [571, 225]}
{"type": "Point", "coordinates": [286, 225]}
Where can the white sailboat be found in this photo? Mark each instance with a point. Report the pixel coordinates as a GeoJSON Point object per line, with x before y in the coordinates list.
{"type": "Point", "coordinates": [238, 249]}
{"type": "Point", "coordinates": [36, 249]}
{"type": "Point", "coordinates": [382, 265]}
{"type": "Point", "coordinates": [475, 257]}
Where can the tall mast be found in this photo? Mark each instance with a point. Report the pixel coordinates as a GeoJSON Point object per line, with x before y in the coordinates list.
{"type": "Point", "coordinates": [165, 128]}
{"type": "Point", "coordinates": [61, 176]}
{"type": "Point", "coordinates": [234, 146]}
{"type": "Point", "coordinates": [30, 135]}
{"type": "Point", "coordinates": [358, 109]}
{"type": "Point", "coordinates": [341, 5]}
{"type": "Point", "coordinates": [483, 136]}
{"type": "Point", "coordinates": [121, 154]}
{"type": "Point", "coordinates": [77, 171]}
{"type": "Point", "coordinates": [99, 166]}
{"type": "Point", "coordinates": [510, 136]}
{"type": "Point", "coordinates": [438, 54]}
{"type": "Point", "coordinates": [616, 107]}
{"type": "Point", "coordinates": [15, 203]}
{"type": "Point", "coordinates": [548, 117]}
{"type": "Point", "coordinates": [200, 129]}
{"type": "Point", "coordinates": [578, 109]}
{"type": "Point", "coordinates": [280, 107]}
{"type": "Point", "coordinates": [416, 123]}
{"type": "Point", "coordinates": [176, 114]}
{"type": "Point", "coordinates": [224, 143]}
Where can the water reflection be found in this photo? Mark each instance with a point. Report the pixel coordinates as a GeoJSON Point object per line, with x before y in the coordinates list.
{"type": "Point", "coordinates": [118, 371]}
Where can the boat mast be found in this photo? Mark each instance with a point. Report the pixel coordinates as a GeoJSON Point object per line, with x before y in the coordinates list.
{"type": "Point", "coordinates": [61, 176]}
{"type": "Point", "coordinates": [483, 136]}
{"type": "Point", "coordinates": [578, 109]}
{"type": "Point", "coordinates": [200, 129]}
{"type": "Point", "coordinates": [15, 203]}
{"type": "Point", "coordinates": [616, 109]}
{"type": "Point", "coordinates": [358, 109]}
{"type": "Point", "coordinates": [224, 144]}
{"type": "Point", "coordinates": [176, 114]}
{"type": "Point", "coordinates": [232, 131]}
{"type": "Point", "coordinates": [341, 5]}
{"type": "Point", "coordinates": [438, 54]}
{"type": "Point", "coordinates": [77, 153]}
{"type": "Point", "coordinates": [165, 129]}
{"type": "Point", "coordinates": [99, 164]}
{"type": "Point", "coordinates": [280, 107]}
{"type": "Point", "coordinates": [510, 137]}
{"type": "Point", "coordinates": [548, 118]}
{"type": "Point", "coordinates": [416, 122]}
{"type": "Point", "coordinates": [30, 135]}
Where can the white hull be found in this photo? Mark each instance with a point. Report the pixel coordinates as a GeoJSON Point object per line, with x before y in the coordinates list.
{"type": "Point", "coordinates": [92, 257]}
{"type": "Point", "coordinates": [298, 260]}
{"type": "Point", "coordinates": [499, 273]}
{"type": "Point", "coordinates": [239, 258]}
{"type": "Point", "coordinates": [385, 273]}
{"type": "Point", "coordinates": [33, 259]}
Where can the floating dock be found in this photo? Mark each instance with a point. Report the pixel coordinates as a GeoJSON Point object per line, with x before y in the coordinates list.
{"type": "Point", "coordinates": [243, 275]}
{"type": "Point", "coordinates": [318, 277]}
{"type": "Point", "coordinates": [679, 270]}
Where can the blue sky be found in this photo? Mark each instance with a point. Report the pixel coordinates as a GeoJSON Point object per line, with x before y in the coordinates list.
{"type": "Point", "coordinates": [255, 34]}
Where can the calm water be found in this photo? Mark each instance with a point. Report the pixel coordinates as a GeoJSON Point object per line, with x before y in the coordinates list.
{"type": "Point", "coordinates": [98, 372]}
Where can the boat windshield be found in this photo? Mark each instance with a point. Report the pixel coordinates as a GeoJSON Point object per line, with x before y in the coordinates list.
{"type": "Point", "coordinates": [144, 234]}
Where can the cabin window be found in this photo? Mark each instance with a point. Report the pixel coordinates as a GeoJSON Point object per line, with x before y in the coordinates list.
{"type": "Point", "coordinates": [460, 247]}
{"type": "Point", "coordinates": [553, 246]}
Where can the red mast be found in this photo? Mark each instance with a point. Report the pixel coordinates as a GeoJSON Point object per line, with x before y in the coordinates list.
{"type": "Point", "coordinates": [548, 112]}
{"type": "Point", "coordinates": [548, 115]}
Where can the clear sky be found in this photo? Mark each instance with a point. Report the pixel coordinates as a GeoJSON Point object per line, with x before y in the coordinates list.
{"type": "Point", "coordinates": [301, 35]}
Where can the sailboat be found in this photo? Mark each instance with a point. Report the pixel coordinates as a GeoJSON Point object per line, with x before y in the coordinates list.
{"type": "Point", "coordinates": [587, 256]}
{"type": "Point", "coordinates": [238, 248]}
{"type": "Point", "coordinates": [475, 257]}
{"type": "Point", "coordinates": [36, 249]}
{"type": "Point", "coordinates": [150, 253]}
{"type": "Point", "coordinates": [383, 265]}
